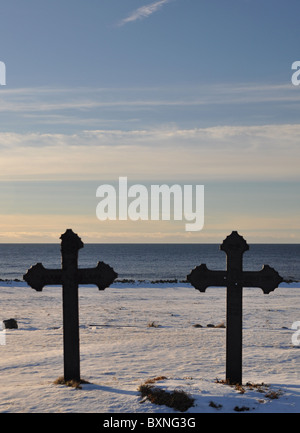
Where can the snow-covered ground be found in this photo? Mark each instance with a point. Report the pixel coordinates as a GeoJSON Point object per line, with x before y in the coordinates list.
{"type": "Point", "coordinates": [129, 334]}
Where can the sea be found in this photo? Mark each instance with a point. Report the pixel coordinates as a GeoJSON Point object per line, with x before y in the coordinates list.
{"type": "Point", "coordinates": [150, 262]}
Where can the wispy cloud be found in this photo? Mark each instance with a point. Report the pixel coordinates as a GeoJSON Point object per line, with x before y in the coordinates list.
{"type": "Point", "coordinates": [74, 109]}
{"type": "Point", "coordinates": [143, 12]}
{"type": "Point", "coordinates": [40, 100]}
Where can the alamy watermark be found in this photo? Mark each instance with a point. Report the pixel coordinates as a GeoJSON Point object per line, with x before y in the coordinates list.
{"type": "Point", "coordinates": [2, 74]}
{"type": "Point", "coordinates": [2, 335]}
{"type": "Point", "coordinates": [156, 202]}
{"type": "Point", "coordinates": [296, 335]}
{"type": "Point", "coordinates": [296, 75]}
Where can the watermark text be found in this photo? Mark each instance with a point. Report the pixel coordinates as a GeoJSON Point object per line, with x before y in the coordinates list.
{"type": "Point", "coordinates": [296, 75]}
{"type": "Point", "coordinates": [296, 335]}
{"type": "Point", "coordinates": [156, 202]}
{"type": "Point", "coordinates": [2, 335]}
{"type": "Point", "coordinates": [2, 74]}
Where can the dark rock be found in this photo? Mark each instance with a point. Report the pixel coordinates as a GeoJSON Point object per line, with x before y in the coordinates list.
{"type": "Point", "coordinates": [10, 324]}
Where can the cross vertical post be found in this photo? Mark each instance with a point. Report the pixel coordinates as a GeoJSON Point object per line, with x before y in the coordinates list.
{"type": "Point", "coordinates": [69, 276]}
{"type": "Point", "coordinates": [70, 245]}
{"type": "Point", "coordinates": [234, 278]}
{"type": "Point", "coordinates": [234, 308]}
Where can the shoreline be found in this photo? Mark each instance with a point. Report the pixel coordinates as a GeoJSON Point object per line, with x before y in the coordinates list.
{"type": "Point", "coordinates": [130, 282]}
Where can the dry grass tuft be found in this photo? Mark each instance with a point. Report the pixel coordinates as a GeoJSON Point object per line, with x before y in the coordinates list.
{"type": "Point", "coordinates": [72, 383]}
{"type": "Point", "coordinates": [155, 379]}
{"type": "Point", "coordinates": [177, 399]}
{"type": "Point", "coordinates": [259, 387]}
{"type": "Point", "coordinates": [241, 408]}
{"type": "Point", "coordinates": [274, 394]}
{"type": "Point", "coordinates": [215, 405]}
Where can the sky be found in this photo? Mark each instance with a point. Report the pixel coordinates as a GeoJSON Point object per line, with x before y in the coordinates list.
{"type": "Point", "coordinates": [185, 92]}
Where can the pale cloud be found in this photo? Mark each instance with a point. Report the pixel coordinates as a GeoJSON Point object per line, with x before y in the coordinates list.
{"type": "Point", "coordinates": [267, 152]}
{"type": "Point", "coordinates": [143, 12]}
{"type": "Point", "coordinates": [170, 154]}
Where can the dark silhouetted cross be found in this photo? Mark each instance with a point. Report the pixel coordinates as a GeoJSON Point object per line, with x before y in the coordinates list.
{"type": "Point", "coordinates": [234, 278]}
{"type": "Point", "coordinates": [70, 277]}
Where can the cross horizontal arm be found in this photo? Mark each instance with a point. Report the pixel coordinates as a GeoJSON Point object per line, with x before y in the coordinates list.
{"type": "Point", "coordinates": [37, 277]}
{"type": "Point", "coordinates": [102, 275]}
{"type": "Point", "coordinates": [201, 278]}
{"type": "Point", "coordinates": [266, 279]}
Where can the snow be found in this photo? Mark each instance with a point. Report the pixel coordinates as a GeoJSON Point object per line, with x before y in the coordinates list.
{"type": "Point", "coordinates": [120, 350]}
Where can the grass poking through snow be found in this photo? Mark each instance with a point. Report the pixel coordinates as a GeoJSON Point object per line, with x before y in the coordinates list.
{"type": "Point", "coordinates": [72, 383]}
{"type": "Point", "coordinates": [177, 399]}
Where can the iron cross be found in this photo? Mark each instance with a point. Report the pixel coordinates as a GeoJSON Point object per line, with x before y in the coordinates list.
{"type": "Point", "coordinates": [235, 279]}
{"type": "Point", "coordinates": [70, 277]}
